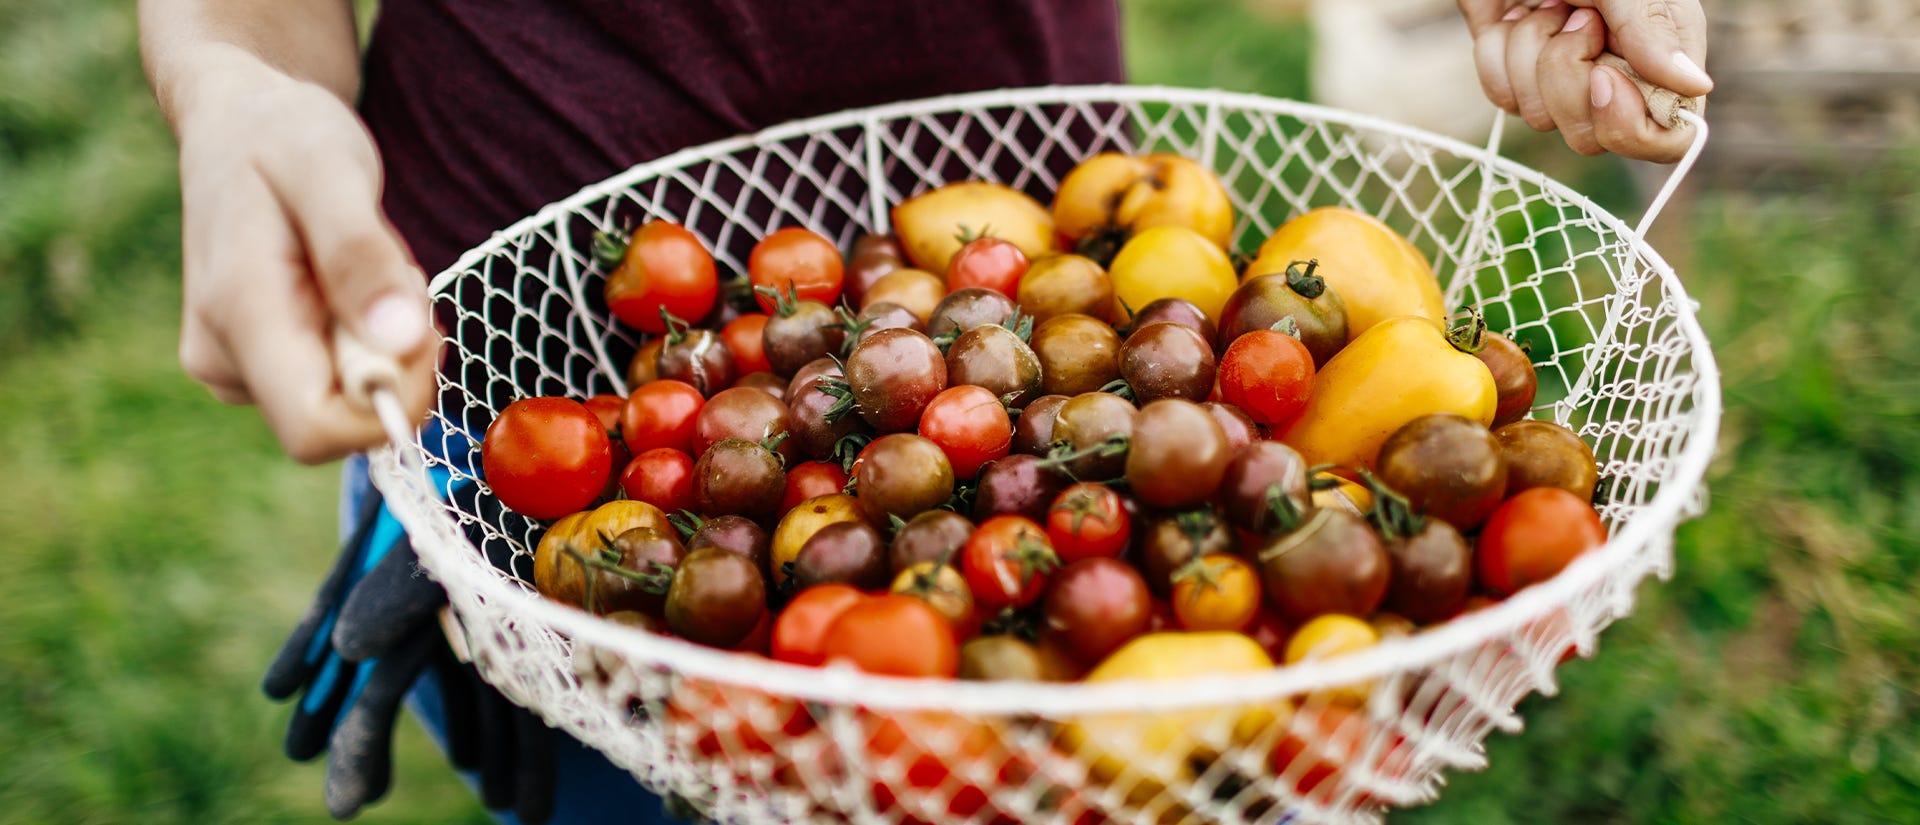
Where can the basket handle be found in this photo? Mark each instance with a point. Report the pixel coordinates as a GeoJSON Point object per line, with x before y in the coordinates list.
{"type": "Point", "coordinates": [371, 380]}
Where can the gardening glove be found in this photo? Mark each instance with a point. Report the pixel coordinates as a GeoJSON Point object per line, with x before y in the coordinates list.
{"type": "Point", "coordinates": [370, 633]}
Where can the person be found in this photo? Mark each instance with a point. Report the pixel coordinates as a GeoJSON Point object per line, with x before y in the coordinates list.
{"type": "Point", "coordinates": [318, 186]}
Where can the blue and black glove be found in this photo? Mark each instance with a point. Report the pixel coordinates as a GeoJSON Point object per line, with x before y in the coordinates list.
{"type": "Point", "coordinates": [371, 633]}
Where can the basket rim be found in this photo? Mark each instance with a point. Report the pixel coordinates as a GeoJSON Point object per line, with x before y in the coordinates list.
{"type": "Point", "coordinates": [841, 685]}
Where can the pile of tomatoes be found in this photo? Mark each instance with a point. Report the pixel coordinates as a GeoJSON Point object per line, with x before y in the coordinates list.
{"type": "Point", "coordinates": [1020, 442]}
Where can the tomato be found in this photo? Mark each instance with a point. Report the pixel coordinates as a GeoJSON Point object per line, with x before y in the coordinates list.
{"type": "Point", "coordinates": [662, 477]}
{"type": "Point", "coordinates": [799, 258]}
{"type": "Point", "coordinates": [661, 414]}
{"type": "Point", "coordinates": [1377, 273]}
{"type": "Point", "coordinates": [894, 635]}
{"type": "Point", "coordinates": [546, 457]}
{"type": "Point", "coordinates": [987, 262]}
{"type": "Point", "coordinates": [1218, 592]}
{"type": "Point", "coordinates": [1272, 633]}
{"type": "Point", "coordinates": [1400, 369]}
{"type": "Point", "coordinates": [970, 426]}
{"type": "Point", "coordinates": [665, 267]}
{"type": "Point", "coordinates": [1535, 535]}
{"type": "Point", "coordinates": [938, 585]}
{"type": "Point", "coordinates": [607, 407]}
{"type": "Point", "coordinates": [1087, 520]}
{"type": "Point", "coordinates": [800, 522]}
{"type": "Point", "coordinates": [1330, 635]}
{"type": "Point", "coordinates": [1096, 605]}
{"type": "Point", "coordinates": [1268, 374]}
{"type": "Point", "coordinates": [558, 574]}
{"type": "Point", "coordinates": [1007, 561]}
{"type": "Point", "coordinates": [742, 337]}
{"type": "Point", "coordinates": [1172, 262]}
{"type": "Point", "coordinates": [1115, 193]}
{"type": "Point", "coordinates": [802, 627]}
{"type": "Point", "coordinates": [812, 478]}
{"type": "Point", "coordinates": [1322, 749]}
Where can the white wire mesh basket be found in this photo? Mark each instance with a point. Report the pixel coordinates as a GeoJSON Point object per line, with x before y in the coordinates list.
{"type": "Point", "coordinates": [1621, 357]}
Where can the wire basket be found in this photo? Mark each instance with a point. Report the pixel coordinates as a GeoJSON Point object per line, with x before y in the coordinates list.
{"type": "Point", "coordinates": [1621, 358]}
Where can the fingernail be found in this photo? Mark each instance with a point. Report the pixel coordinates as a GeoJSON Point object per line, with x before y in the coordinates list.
{"type": "Point", "coordinates": [1577, 21]}
{"type": "Point", "coordinates": [1689, 68]}
{"type": "Point", "coordinates": [1552, 4]}
{"type": "Point", "coordinates": [395, 324]}
{"type": "Point", "coordinates": [1515, 13]}
{"type": "Point", "coordinates": [1600, 88]}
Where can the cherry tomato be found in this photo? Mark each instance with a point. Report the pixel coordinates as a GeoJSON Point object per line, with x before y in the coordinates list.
{"type": "Point", "coordinates": [662, 477]}
{"type": "Point", "coordinates": [812, 478]}
{"type": "Point", "coordinates": [1096, 605]}
{"type": "Point", "coordinates": [987, 262]}
{"type": "Point", "coordinates": [1271, 632]}
{"type": "Point", "coordinates": [1088, 520]}
{"type": "Point", "coordinates": [1269, 374]}
{"type": "Point", "coordinates": [801, 629]}
{"type": "Point", "coordinates": [546, 457]}
{"type": "Point", "coordinates": [665, 267]}
{"type": "Point", "coordinates": [894, 635]}
{"type": "Point", "coordinates": [798, 257]}
{"type": "Point", "coordinates": [1219, 592]}
{"type": "Point", "coordinates": [607, 408]}
{"type": "Point", "coordinates": [970, 426]}
{"type": "Point", "coordinates": [742, 337]}
{"type": "Point", "coordinates": [1007, 561]}
{"type": "Point", "coordinates": [661, 414]}
{"type": "Point", "coordinates": [1535, 535]}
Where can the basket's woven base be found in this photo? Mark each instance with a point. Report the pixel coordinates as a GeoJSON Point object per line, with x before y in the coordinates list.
{"type": "Point", "coordinates": [1620, 357]}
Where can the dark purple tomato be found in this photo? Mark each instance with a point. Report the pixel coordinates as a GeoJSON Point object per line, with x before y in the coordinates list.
{"type": "Point", "coordinates": [893, 374]}
{"type": "Point", "coordinates": [739, 477]}
{"type": "Point", "coordinates": [846, 552]}
{"type": "Point", "coordinates": [1448, 466]}
{"type": "Point", "coordinates": [1254, 477]}
{"type": "Point", "coordinates": [1078, 353]}
{"type": "Point", "coordinates": [993, 357]}
{"type": "Point", "coordinates": [1168, 542]}
{"type": "Point", "coordinates": [1235, 422]}
{"type": "Point", "coordinates": [1178, 454]}
{"type": "Point", "coordinates": [742, 412]}
{"type": "Point", "coordinates": [800, 332]}
{"type": "Point", "coordinates": [935, 536]}
{"type": "Point", "coordinates": [1096, 605]}
{"type": "Point", "coordinates": [1175, 311]}
{"type": "Point", "coordinates": [1033, 430]}
{"type": "Point", "coordinates": [698, 358]}
{"type": "Point", "coordinates": [1334, 563]}
{"type": "Point", "coordinates": [717, 598]}
{"type": "Point", "coordinates": [1432, 570]}
{"type": "Point", "coordinates": [902, 475]}
{"type": "Point", "coordinates": [1018, 485]}
{"type": "Point", "coordinates": [735, 534]}
{"type": "Point", "coordinates": [1094, 426]}
{"type": "Point", "coordinates": [1318, 314]}
{"type": "Point", "coordinates": [765, 382]}
{"type": "Point", "coordinates": [1167, 360]}
{"type": "Point", "coordinates": [964, 309]}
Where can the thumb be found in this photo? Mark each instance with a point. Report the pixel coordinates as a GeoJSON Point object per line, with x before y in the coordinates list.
{"type": "Point", "coordinates": [1664, 40]}
{"type": "Point", "coordinates": [362, 268]}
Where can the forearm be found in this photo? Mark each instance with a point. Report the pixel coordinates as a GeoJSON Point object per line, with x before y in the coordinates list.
{"type": "Point", "coordinates": [198, 50]}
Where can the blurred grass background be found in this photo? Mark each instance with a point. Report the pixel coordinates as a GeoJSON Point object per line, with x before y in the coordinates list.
{"type": "Point", "coordinates": [158, 546]}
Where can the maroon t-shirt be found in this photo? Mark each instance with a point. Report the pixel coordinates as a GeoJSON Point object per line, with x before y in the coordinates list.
{"type": "Point", "coordinates": [484, 111]}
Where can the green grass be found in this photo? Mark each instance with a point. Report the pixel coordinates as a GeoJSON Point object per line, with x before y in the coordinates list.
{"type": "Point", "coordinates": [159, 546]}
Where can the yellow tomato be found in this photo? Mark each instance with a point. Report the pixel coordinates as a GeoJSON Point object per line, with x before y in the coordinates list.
{"type": "Point", "coordinates": [557, 575]}
{"type": "Point", "coordinates": [1377, 273]}
{"type": "Point", "coordinates": [1171, 262]}
{"type": "Point", "coordinates": [931, 224]}
{"type": "Point", "coordinates": [805, 519]}
{"type": "Point", "coordinates": [916, 289]}
{"type": "Point", "coordinates": [1115, 193]}
{"type": "Point", "coordinates": [1328, 636]}
{"type": "Point", "coordinates": [1149, 753]}
{"type": "Point", "coordinates": [1350, 496]}
{"type": "Point", "coordinates": [1065, 285]}
{"type": "Point", "coordinates": [1398, 371]}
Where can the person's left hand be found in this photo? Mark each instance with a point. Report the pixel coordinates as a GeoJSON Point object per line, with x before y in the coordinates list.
{"type": "Point", "coordinates": [1540, 64]}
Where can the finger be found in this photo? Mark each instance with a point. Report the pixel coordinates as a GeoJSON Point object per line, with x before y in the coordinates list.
{"type": "Point", "coordinates": [1664, 40]}
{"type": "Point", "coordinates": [1524, 44]}
{"type": "Point", "coordinates": [363, 269]}
{"type": "Point", "coordinates": [1565, 69]}
{"type": "Point", "coordinates": [1622, 125]}
{"type": "Point", "coordinates": [1490, 60]}
{"type": "Point", "coordinates": [1483, 13]}
{"type": "Point", "coordinates": [206, 361]}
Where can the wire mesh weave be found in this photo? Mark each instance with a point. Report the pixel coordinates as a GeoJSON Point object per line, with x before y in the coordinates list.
{"type": "Point", "coordinates": [1621, 358]}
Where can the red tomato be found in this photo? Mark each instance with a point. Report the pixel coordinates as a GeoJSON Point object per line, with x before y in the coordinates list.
{"type": "Point", "coordinates": [1096, 605]}
{"type": "Point", "coordinates": [1535, 535]}
{"type": "Point", "coordinates": [665, 267]}
{"type": "Point", "coordinates": [1272, 633]}
{"type": "Point", "coordinates": [1086, 521]}
{"type": "Point", "coordinates": [546, 457]}
{"type": "Point", "coordinates": [893, 635]}
{"type": "Point", "coordinates": [743, 339]}
{"type": "Point", "coordinates": [801, 629]}
{"type": "Point", "coordinates": [812, 478]}
{"type": "Point", "coordinates": [799, 257]}
{"type": "Point", "coordinates": [1268, 374]}
{"type": "Point", "coordinates": [662, 477]}
{"type": "Point", "coordinates": [661, 414]}
{"type": "Point", "coordinates": [971, 427]}
{"type": "Point", "coordinates": [1007, 561]}
{"type": "Point", "coordinates": [987, 262]}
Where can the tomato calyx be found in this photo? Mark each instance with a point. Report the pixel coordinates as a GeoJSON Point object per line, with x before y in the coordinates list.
{"type": "Point", "coordinates": [968, 235]}
{"type": "Point", "coordinates": [1119, 387]}
{"type": "Point", "coordinates": [676, 329]}
{"type": "Point", "coordinates": [784, 304]}
{"type": "Point", "coordinates": [1021, 325]}
{"type": "Point", "coordinates": [962, 499]}
{"type": "Point", "coordinates": [609, 248]}
{"type": "Point", "coordinates": [1287, 515]}
{"type": "Point", "coordinates": [1020, 622]}
{"type": "Point", "coordinates": [772, 444]}
{"type": "Point", "coordinates": [1032, 557]}
{"type": "Point", "coordinates": [686, 523]}
{"type": "Point", "coordinates": [842, 393]}
{"type": "Point", "coordinates": [1470, 336]}
{"type": "Point", "coordinates": [1198, 572]}
{"type": "Point", "coordinates": [852, 325]}
{"type": "Point", "coordinates": [1303, 282]}
{"type": "Point", "coordinates": [1392, 514]}
{"type": "Point", "coordinates": [1196, 525]}
{"type": "Point", "coordinates": [1063, 454]}
{"type": "Point", "coordinates": [1080, 504]}
{"type": "Point", "coordinates": [656, 579]}
{"type": "Point", "coordinates": [847, 449]}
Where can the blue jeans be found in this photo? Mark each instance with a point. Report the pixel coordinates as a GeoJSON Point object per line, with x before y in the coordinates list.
{"type": "Point", "coordinates": [588, 789]}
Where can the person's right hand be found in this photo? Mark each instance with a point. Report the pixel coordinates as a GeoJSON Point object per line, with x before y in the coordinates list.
{"type": "Point", "coordinates": [284, 242]}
